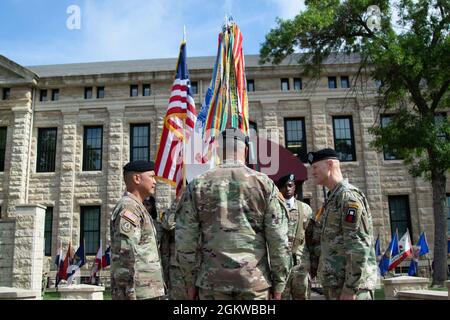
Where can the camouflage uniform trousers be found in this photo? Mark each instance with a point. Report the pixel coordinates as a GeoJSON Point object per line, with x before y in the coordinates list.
{"type": "Point", "coordinates": [298, 285]}
{"type": "Point", "coordinates": [238, 294]}
{"type": "Point", "coordinates": [334, 294]}
{"type": "Point", "coordinates": [177, 286]}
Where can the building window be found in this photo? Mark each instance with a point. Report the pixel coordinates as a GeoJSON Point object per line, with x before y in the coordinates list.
{"type": "Point", "coordinates": [378, 84]}
{"type": "Point", "coordinates": [439, 120]}
{"type": "Point", "coordinates": [194, 87]}
{"type": "Point", "coordinates": [284, 84]}
{"type": "Point", "coordinates": [388, 154]}
{"type": "Point", "coordinates": [0, 212]}
{"type": "Point", "coordinates": [332, 83]}
{"type": "Point", "coordinates": [295, 137]}
{"type": "Point", "coordinates": [399, 214]}
{"type": "Point", "coordinates": [43, 95]}
{"type": "Point", "coordinates": [146, 90]}
{"type": "Point", "coordinates": [92, 148]}
{"type": "Point", "coordinates": [6, 95]}
{"type": "Point", "coordinates": [448, 214]}
{"type": "Point", "coordinates": [134, 90]}
{"type": "Point", "coordinates": [48, 227]}
{"type": "Point", "coordinates": [140, 142]}
{"type": "Point", "coordinates": [2, 148]}
{"type": "Point", "coordinates": [344, 141]}
{"type": "Point", "coordinates": [55, 94]}
{"type": "Point", "coordinates": [88, 92]}
{"type": "Point", "coordinates": [100, 92]}
{"type": "Point", "coordinates": [298, 84]}
{"type": "Point", "coordinates": [46, 152]}
{"type": "Point", "coordinates": [252, 156]}
{"type": "Point", "coordinates": [250, 85]}
{"type": "Point", "coordinates": [90, 229]}
{"type": "Point", "coordinates": [345, 83]}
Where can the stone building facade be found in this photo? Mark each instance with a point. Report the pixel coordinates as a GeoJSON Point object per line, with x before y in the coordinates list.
{"type": "Point", "coordinates": [102, 96]}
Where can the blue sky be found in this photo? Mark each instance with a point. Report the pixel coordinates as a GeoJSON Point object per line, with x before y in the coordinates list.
{"type": "Point", "coordinates": [34, 32]}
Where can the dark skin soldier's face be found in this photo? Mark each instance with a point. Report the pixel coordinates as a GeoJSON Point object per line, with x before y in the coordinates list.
{"type": "Point", "coordinates": [288, 190]}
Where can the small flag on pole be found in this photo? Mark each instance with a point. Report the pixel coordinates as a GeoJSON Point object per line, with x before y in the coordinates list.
{"type": "Point", "coordinates": [179, 125]}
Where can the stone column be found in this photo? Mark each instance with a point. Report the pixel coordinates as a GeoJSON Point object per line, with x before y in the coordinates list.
{"type": "Point", "coordinates": [319, 135]}
{"type": "Point", "coordinates": [7, 227]}
{"type": "Point", "coordinates": [19, 157]}
{"type": "Point", "coordinates": [270, 120]}
{"type": "Point", "coordinates": [28, 247]}
{"type": "Point", "coordinates": [67, 177]}
{"type": "Point", "coordinates": [115, 154]}
{"type": "Point", "coordinates": [371, 166]}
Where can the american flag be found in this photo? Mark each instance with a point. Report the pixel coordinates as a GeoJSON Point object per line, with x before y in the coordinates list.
{"type": "Point", "coordinates": [179, 125]}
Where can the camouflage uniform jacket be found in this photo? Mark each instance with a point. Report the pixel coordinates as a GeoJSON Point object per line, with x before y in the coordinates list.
{"type": "Point", "coordinates": [135, 267]}
{"type": "Point", "coordinates": [301, 256]}
{"type": "Point", "coordinates": [233, 214]}
{"type": "Point", "coordinates": [347, 257]}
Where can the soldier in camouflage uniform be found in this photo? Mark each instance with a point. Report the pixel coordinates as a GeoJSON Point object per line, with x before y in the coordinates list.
{"type": "Point", "coordinates": [298, 286]}
{"type": "Point", "coordinates": [228, 223]}
{"type": "Point", "coordinates": [135, 262]}
{"type": "Point", "coordinates": [347, 265]}
{"type": "Point", "coordinates": [175, 281]}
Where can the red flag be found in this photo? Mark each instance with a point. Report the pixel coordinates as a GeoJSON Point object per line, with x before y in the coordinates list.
{"type": "Point", "coordinates": [65, 265]}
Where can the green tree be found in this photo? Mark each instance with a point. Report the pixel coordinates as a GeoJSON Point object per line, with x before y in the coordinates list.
{"type": "Point", "coordinates": [410, 56]}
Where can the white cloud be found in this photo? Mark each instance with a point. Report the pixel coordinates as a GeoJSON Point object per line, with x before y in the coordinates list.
{"type": "Point", "coordinates": [288, 9]}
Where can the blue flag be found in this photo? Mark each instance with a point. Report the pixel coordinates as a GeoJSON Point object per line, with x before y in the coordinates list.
{"type": "Point", "coordinates": [413, 267]}
{"type": "Point", "coordinates": [422, 243]}
{"type": "Point", "coordinates": [391, 251]}
{"type": "Point", "coordinates": [377, 247]}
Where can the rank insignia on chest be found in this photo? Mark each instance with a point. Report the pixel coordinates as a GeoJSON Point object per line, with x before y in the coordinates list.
{"type": "Point", "coordinates": [350, 215]}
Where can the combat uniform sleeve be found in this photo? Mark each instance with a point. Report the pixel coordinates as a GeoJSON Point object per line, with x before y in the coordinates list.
{"type": "Point", "coordinates": [187, 234]}
{"type": "Point", "coordinates": [356, 241]}
{"type": "Point", "coordinates": [128, 225]}
{"type": "Point", "coordinates": [276, 232]}
{"type": "Point", "coordinates": [303, 249]}
{"type": "Point", "coordinates": [167, 218]}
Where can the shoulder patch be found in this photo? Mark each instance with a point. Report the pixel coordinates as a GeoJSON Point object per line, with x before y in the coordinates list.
{"type": "Point", "coordinates": [350, 215]}
{"type": "Point", "coordinates": [131, 217]}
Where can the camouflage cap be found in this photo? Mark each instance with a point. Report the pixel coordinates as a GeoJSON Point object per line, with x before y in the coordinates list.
{"type": "Point", "coordinates": [323, 154]}
{"type": "Point", "coordinates": [139, 166]}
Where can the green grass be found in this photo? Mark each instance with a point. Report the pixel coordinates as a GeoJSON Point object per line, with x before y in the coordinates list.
{"type": "Point", "coordinates": [53, 295]}
{"type": "Point", "coordinates": [379, 293]}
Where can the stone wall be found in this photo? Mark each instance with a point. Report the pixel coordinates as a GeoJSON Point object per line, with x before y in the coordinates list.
{"type": "Point", "coordinates": [7, 227]}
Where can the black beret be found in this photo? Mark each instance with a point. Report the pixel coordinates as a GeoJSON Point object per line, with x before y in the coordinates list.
{"type": "Point", "coordinates": [322, 155]}
{"type": "Point", "coordinates": [235, 134]}
{"type": "Point", "coordinates": [283, 180]}
{"type": "Point", "coordinates": [139, 166]}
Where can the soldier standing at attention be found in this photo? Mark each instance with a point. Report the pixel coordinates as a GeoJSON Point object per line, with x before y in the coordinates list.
{"type": "Point", "coordinates": [298, 286]}
{"type": "Point", "coordinates": [227, 225]}
{"type": "Point", "coordinates": [347, 265]}
{"type": "Point", "coordinates": [135, 263]}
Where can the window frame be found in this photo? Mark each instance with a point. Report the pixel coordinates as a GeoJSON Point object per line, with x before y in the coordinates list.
{"type": "Point", "coordinates": [132, 88]}
{"type": "Point", "coordinates": [194, 84]}
{"type": "Point", "coordinates": [284, 81]}
{"type": "Point", "coordinates": [298, 80]}
{"type": "Point", "coordinates": [86, 91]}
{"type": "Point", "coordinates": [252, 83]}
{"type": "Point", "coordinates": [352, 136]}
{"type": "Point", "coordinates": [43, 95]}
{"type": "Point", "coordinates": [102, 90]}
{"type": "Point", "coordinates": [145, 86]}
{"type": "Point", "coordinates": [386, 152]}
{"type": "Point", "coordinates": [6, 93]}
{"type": "Point", "coordinates": [86, 128]}
{"type": "Point", "coordinates": [3, 147]}
{"type": "Point", "coordinates": [334, 78]}
{"type": "Point", "coordinates": [408, 214]}
{"type": "Point", "coordinates": [302, 155]}
{"type": "Point", "coordinates": [48, 211]}
{"type": "Point", "coordinates": [132, 127]}
{"type": "Point", "coordinates": [55, 95]}
{"type": "Point", "coordinates": [347, 78]}
{"type": "Point", "coordinates": [51, 152]}
{"type": "Point", "coordinates": [83, 210]}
